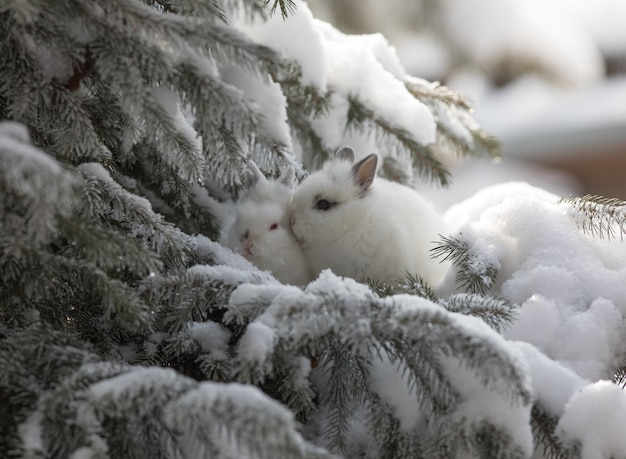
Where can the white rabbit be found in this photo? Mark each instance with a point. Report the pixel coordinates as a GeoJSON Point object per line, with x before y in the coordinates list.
{"type": "Point", "coordinates": [257, 227]}
{"type": "Point", "coordinates": [365, 228]}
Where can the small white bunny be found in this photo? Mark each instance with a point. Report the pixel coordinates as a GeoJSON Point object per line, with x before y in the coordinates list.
{"type": "Point", "coordinates": [365, 228]}
{"type": "Point", "coordinates": [257, 226]}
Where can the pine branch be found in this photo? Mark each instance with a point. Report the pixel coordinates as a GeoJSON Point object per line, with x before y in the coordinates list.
{"type": "Point", "coordinates": [598, 215]}
{"type": "Point", "coordinates": [197, 32]}
{"type": "Point", "coordinates": [345, 380]}
{"type": "Point", "coordinates": [457, 131]}
{"type": "Point", "coordinates": [181, 299]}
{"type": "Point", "coordinates": [237, 410]}
{"type": "Point", "coordinates": [96, 407]}
{"type": "Point", "coordinates": [480, 438]}
{"type": "Point", "coordinates": [359, 325]}
{"type": "Point", "coordinates": [293, 387]}
{"type": "Point", "coordinates": [212, 368]}
{"type": "Point", "coordinates": [36, 190]}
{"type": "Point", "coordinates": [107, 401]}
{"type": "Point", "coordinates": [619, 377]}
{"type": "Point", "coordinates": [395, 442]}
{"type": "Point", "coordinates": [116, 299]}
{"type": "Point", "coordinates": [105, 200]}
{"type": "Point", "coordinates": [397, 140]}
{"type": "Point", "coordinates": [26, 375]}
{"type": "Point", "coordinates": [498, 313]}
{"type": "Point", "coordinates": [474, 273]}
{"type": "Point", "coordinates": [190, 7]}
{"type": "Point", "coordinates": [287, 7]}
{"type": "Point", "coordinates": [109, 250]}
{"type": "Point", "coordinates": [305, 103]}
{"type": "Point", "coordinates": [423, 371]}
{"type": "Point", "coordinates": [198, 294]}
{"type": "Point", "coordinates": [412, 285]}
{"type": "Point", "coordinates": [395, 170]}
{"type": "Point", "coordinates": [543, 426]}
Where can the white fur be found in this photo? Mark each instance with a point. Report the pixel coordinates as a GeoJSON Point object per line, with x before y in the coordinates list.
{"type": "Point", "coordinates": [380, 233]}
{"type": "Point", "coordinates": [247, 230]}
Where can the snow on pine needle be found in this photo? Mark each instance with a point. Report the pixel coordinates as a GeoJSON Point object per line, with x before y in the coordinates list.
{"type": "Point", "coordinates": [333, 314]}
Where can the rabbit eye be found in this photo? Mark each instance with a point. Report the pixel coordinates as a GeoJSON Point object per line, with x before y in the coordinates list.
{"type": "Point", "coordinates": [322, 204]}
{"type": "Point", "coordinates": [273, 226]}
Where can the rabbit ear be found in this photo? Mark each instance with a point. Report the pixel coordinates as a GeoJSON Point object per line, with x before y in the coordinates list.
{"type": "Point", "coordinates": [346, 154]}
{"type": "Point", "coordinates": [254, 175]}
{"type": "Point", "coordinates": [288, 177]}
{"type": "Point", "coordinates": [364, 171]}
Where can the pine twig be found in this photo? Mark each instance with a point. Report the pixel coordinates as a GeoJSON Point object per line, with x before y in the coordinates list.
{"type": "Point", "coordinates": [422, 156]}
{"type": "Point", "coordinates": [498, 313]}
{"type": "Point", "coordinates": [287, 7]}
{"type": "Point", "coordinates": [601, 216]}
{"type": "Point", "coordinates": [446, 104]}
{"type": "Point", "coordinates": [474, 274]}
{"type": "Point", "coordinates": [543, 426]}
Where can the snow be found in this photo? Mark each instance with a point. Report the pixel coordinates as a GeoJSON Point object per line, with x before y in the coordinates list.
{"type": "Point", "coordinates": [278, 33]}
{"type": "Point", "coordinates": [257, 343]}
{"type": "Point", "coordinates": [479, 403]}
{"type": "Point", "coordinates": [303, 370]}
{"type": "Point", "coordinates": [133, 381]}
{"type": "Point", "coordinates": [245, 300]}
{"type": "Point", "coordinates": [229, 274]}
{"type": "Point", "coordinates": [552, 384]}
{"type": "Point", "coordinates": [231, 408]}
{"type": "Point", "coordinates": [268, 96]}
{"type": "Point", "coordinates": [348, 65]}
{"type": "Point", "coordinates": [569, 288]}
{"type": "Point", "coordinates": [98, 172]}
{"type": "Point", "coordinates": [558, 100]}
{"type": "Point", "coordinates": [169, 101]}
{"type": "Point", "coordinates": [85, 453]}
{"type": "Point", "coordinates": [15, 144]}
{"type": "Point", "coordinates": [391, 382]}
{"type": "Point", "coordinates": [595, 417]}
{"type": "Point", "coordinates": [39, 190]}
{"type": "Point", "coordinates": [366, 65]}
{"type": "Point", "coordinates": [212, 337]}
{"type": "Point", "coordinates": [31, 432]}
{"type": "Point", "coordinates": [346, 287]}
{"type": "Point", "coordinates": [571, 303]}
{"type": "Point", "coordinates": [220, 254]}
{"type": "Point", "coordinates": [53, 62]}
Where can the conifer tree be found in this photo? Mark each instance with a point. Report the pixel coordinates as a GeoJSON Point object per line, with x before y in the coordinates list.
{"type": "Point", "coordinates": [127, 331]}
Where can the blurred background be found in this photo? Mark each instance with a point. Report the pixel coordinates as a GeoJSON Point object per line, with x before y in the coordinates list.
{"type": "Point", "coordinates": [547, 77]}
